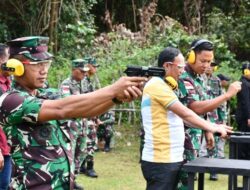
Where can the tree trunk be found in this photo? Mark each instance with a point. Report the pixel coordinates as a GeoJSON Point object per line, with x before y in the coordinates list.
{"type": "Point", "coordinates": [54, 18]}
{"type": "Point", "coordinates": [192, 11]}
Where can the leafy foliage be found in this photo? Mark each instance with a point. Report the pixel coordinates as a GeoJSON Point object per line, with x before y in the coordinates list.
{"type": "Point", "coordinates": [226, 23]}
{"type": "Point", "coordinates": [232, 29]}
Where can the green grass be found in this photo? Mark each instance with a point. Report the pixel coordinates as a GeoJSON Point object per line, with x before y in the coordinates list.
{"type": "Point", "coordinates": [120, 169]}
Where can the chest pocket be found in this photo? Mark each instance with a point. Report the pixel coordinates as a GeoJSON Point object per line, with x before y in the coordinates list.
{"type": "Point", "coordinates": [215, 88]}
{"type": "Point", "coordinates": [45, 135]}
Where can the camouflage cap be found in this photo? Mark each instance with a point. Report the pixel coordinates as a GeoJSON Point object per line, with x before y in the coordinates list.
{"type": "Point", "coordinates": [91, 60]}
{"type": "Point", "coordinates": [80, 64]}
{"type": "Point", "coordinates": [34, 48]}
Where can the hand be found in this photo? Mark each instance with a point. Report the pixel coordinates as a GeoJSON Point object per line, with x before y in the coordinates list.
{"type": "Point", "coordinates": [1, 161]}
{"type": "Point", "coordinates": [248, 122]}
{"type": "Point", "coordinates": [129, 88]}
{"type": "Point", "coordinates": [210, 140]}
{"type": "Point", "coordinates": [233, 89]}
{"type": "Point", "coordinates": [99, 122]}
{"type": "Point", "coordinates": [224, 130]}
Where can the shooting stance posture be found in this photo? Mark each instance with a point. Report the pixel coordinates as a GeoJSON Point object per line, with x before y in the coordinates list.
{"type": "Point", "coordinates": [34, 119]}
{"type": "Point", "coordinates": [162, 117]}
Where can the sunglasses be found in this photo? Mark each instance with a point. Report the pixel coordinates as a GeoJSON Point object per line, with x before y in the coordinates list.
{"type": "Point", "coordinates": [38, 65]}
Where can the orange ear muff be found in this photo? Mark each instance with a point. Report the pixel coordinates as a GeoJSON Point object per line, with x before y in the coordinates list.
{"type": "Point", "coordinates": [215, 68]}
{"type": "Point", "coordinates": [246, 72]}
{"type": "Point", "coordinates": [171, 82]}
{"type": "Point", "coordinates": [191, 57]}
{"type": "Point", "coordinates": [14, 67]}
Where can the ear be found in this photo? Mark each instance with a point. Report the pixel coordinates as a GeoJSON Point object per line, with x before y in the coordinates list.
{"type": "Point", "coordinates": [165, 65]}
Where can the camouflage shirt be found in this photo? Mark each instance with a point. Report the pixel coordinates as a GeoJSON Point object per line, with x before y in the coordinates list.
{"type": "Point", "coordinates": [192, 89]}
{"type": "Point", "coordinates": [41, 151]}
{"type": "Point", "coordinates": [70, 86]}
{"type": "Point", "coordinates": [213, 89]}
{"type": "Point", "coordinates": [87, 85]}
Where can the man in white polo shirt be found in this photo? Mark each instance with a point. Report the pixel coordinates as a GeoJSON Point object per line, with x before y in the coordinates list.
{"type": "Point", "coordinates": [162, 115]}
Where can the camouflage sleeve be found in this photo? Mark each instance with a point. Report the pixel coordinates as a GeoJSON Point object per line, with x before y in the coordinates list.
{"type": "Point", "coordinates": [188, 92]}
{"type": "Point", "coordinates": [16, 108]}
{"type": "Point", "coordinates": [65, 89]}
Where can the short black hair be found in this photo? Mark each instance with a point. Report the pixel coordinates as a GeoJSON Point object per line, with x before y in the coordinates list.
{"type": "Point", "coordinates": [168, 55]}
{"type": "Point", "coordinates": [199, 45]}
{"type": "Point", "coordinates": [3, 47]}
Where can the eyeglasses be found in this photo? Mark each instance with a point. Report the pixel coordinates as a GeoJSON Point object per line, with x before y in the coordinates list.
{"type": "Point", "coordinates": [180, 66]}
{"type": "Point", "coordinates": [38, 65]}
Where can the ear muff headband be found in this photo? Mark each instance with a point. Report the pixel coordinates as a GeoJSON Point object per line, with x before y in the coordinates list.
{"type": "Point", "coordinates": [191, 53]}
{"type": "Point", "coordinates": [171, 82]}
{"type": "Point", "coordinates": [14, 67]}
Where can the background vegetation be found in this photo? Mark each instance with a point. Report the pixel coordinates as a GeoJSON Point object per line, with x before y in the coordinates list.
{"type": "Point", "coordinates": [123, 32]}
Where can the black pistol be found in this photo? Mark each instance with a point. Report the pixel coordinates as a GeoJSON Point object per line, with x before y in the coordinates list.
{"type": "Point", "coordinates": [144, 71]}
{"type": "Point", "coordinates": [235, 133]}
{"type": "Point", "coordinates": [240, 133]}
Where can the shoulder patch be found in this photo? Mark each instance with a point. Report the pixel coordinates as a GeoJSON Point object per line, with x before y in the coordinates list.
{"type": "Point", "coordinates": [188, 85]}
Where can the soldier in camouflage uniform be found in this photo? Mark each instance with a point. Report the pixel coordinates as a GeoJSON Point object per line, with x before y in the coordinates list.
{"type": "Point", "coordinates": [224, 111]}
{"type": "Point", "coordinates": [91, 123]}
{"type": "Point", "coordinates": [193, 95]}
{"type": "Point", "coordinates": [105, 129]}
{"type": "Point", "coordinates": [73, 86]}
{"type": "Point", "coordinates": [32, 118]}
{"type": "Point", "coordinates": [213, 88]}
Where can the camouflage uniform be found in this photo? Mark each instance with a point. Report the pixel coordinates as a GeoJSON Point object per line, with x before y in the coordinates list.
{"type": "Point", "coordinates": [41, 152]}
{"type": "Point", "coordinates": [91, 124]}
{"type": "Point", "coordinates": [105, 131]}
{"type": "Point", "coordinates": [71, 87]}
{"type": "Point", "coordinates": [191, 88]}
{"type": "Point", "coordinates": [213, 88]}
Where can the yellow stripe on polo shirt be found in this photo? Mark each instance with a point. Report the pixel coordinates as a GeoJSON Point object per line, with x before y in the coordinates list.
{"type": "Point", "coordinates": [160, 124]}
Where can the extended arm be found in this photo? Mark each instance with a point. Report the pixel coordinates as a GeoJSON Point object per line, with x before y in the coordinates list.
{"type": "Point", "coordinates": [91, 104]}
{"type": "Point", "coordinates": [190, 117]}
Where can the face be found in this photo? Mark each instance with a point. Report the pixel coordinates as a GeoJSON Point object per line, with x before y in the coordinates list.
{"type": "Point", "coordinates": [203, 61]}
{"type": "Point", "coordinates": [176, 68]}
{"type": "Point", "coordinates": [92, 70]}
{"type": "Point", "coordinates": [35, 75]}
{"type": "Point", "coordinates": [78, 74]}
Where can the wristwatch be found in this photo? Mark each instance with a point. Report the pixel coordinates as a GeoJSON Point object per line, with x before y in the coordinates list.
{"type": "Point", "coordinates": [116, 101]}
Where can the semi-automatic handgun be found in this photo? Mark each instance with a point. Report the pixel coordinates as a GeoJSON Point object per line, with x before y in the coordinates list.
{"type": "Point", "coordinates": [144, 71]}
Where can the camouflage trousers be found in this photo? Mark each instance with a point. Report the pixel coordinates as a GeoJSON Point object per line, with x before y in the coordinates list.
{"type": "Point", "coordinates": [213, 153]}
{"type": "Point", "coordinates": [105, 131]}
{"type": "Point", "coordinates": [80, 147]}
{"type": "Point", "coordinates": [91, 138]}
{"type": "Point", "coordinates": [191, 151]}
